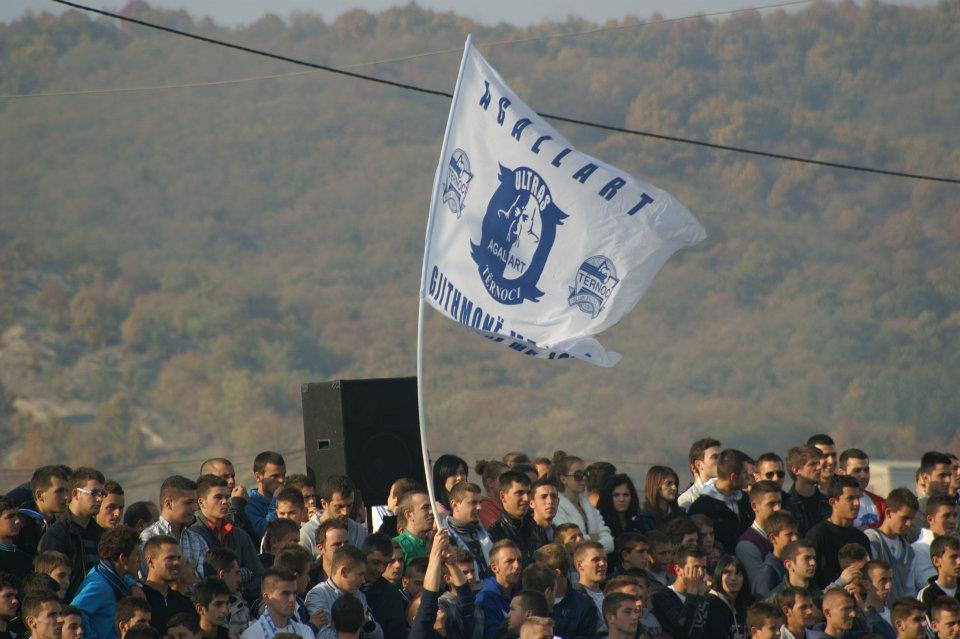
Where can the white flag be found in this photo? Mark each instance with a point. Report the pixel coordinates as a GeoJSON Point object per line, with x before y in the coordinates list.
{"type": "Point", "coordinates": [531, 242]}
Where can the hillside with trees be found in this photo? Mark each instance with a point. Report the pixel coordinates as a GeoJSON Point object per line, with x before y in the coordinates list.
{"type": "Point", "coordinates": [175, 263]}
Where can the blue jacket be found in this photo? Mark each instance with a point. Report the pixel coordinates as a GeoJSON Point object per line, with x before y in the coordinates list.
{"type": "Point", "coordinates": [495, 603]}
{"type": "Point", "coordinates": [259, 511]}
{"type": "Point", "coordinates": [97, 600]}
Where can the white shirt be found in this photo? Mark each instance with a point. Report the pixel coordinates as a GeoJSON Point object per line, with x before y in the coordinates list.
{"type": "Point", "coordinates": [687, 497]}
{"type": "Point", "coordinates": [264, 628]}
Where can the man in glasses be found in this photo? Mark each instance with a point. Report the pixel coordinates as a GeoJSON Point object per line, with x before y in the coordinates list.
{"type": "Point", "coordinates": [770, 468]}
{"type": "Point", "coordinates": [856, 463]}
{"type": "Point", "coordinates": [77, 535]}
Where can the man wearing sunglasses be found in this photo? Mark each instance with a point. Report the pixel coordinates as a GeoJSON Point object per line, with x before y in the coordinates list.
{"type": "Point", "coordinates": [77, 535]}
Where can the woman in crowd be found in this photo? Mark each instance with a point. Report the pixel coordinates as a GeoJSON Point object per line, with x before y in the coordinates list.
{"type": "Point", "coordinates": [575, 508]}
{"type": "Point", "coordinates": [729, 598]}
{"type": "Point", "coordinates": [447, 471]}
{"type": "Point", "coordinates": [619, 505]}
{"type": "Point", "coordinates": [660, 499]}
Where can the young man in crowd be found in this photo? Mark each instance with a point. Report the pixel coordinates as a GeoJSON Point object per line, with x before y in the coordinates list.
{"type": "Point", "coordinates": [291, 506]}
{"type": "Point", "coordinates": [72, 627]}
{"type": "Point", "coordinates": [637, 587]}
{"type": "Point", "coordinates": [633, 550]}
{"type": "Point", "coordinates": [945, 618]}
{"type": "Point", "coordinates": [110, 514]}
{"type": "Point", "coordinates": [591, 564]}
{"type": "Point", "coordinates": [703, 457]}
{"type": "Point", "coordinates": [140, 515]}
{"type": "Point", "coordinates": [878, 583]}
{"type": "Point", "coordinates": [269, 471]}
{"type": "Point", "coordinates": [331, 535]}
{"type": "Point", "coordinates": [764, 621]}
{"type": "Point", "coordinates": [754, 544]}
{"type": "Point", "coordinates": [183, 625]}
{"type": "Point", "coordinates": [839, 613]}
{"type": "Point", "coordinates": [130, 611]}
{"type": "Point", "coordinates": [412, 581]}
{"type": "Point", "coordinates": [224, 469]}
{"type": "Point", "coordinates": [279, 596]}
{"type": "Point", "coordinates": [516, 522]}
{"type": "Point", "coordinates": [724, 500]}
{"type": "Point", "coordinates": [76, 534]}
{"type": "Point", "coordinates": [805, 500]}
{"type": "Point", "coordinates": [544, 502]}
{"type": "Point", "coordinates": [41, 615]}
{"type": "Point", "coordinates": [9, 599]}
{"type": "Point", "coordinates": [798, 610]}
{"type": "Point", "coordinates": [833, 533]}
{"type": "Point", "coordinates": [337, 495]}
{"type": "Point", "coordinates": [661, 554]}
{"type": "Point", "coordinates": [945, 554]}
{"type": "Point", "coordinates": [450, 600]}
{"type": "Point", "coordinates": [800, 561]}
{"type": "Point", "coordinates": [497, 591]}
{"type": "Point", "coordinates": [385, 601]}
{"type": "Point", "coordinates": [828, 464]}
{"type": "Point", "coordinates": [537, 628]}
{"type": "Point", "coordinates": [222, 563]}
{"type": "Point", "coordinates": [769, 467]}
{"type": "Point", "coordinates": [417, 520]}
{"type": "Point", "coordinates": [525, 604]}
{"type": "Point", "coordinates": [683, 608]}
{"type": "Point", "coordinates": [55, 565]}
{"type": "Point", "coordinates": [346, 616]}
{"type": "Point", "coordinates": [781, 527]}
{"type": "Point", "coordinates": [308, 490]}
{"type": "Point", "coordinates": [348, 572]}
{"type": "Point", "coordinates": [464, 527]}
{"type": "Point", "coordinates": [934, 477]}
{"type": "Point", "coordinates": [887, 542]}
{"type": "Point", "coordinates": [178, 503]}
{"type": "Point", "coordinates": [279, 533]}
{"type": "Point", "coordinates": [941, 516]}
{"type": "Point", "coordinates": [296, 560]}
{"type": "Point", "coordinates": [211, 602]}
{"type": "Point", "coordinates": [856, 463]}
{"type": "Point", "coordinates": [163, 559]}
{"type": "Point", "coordinates": [573, 613]}
{"type": "Point", "coordinates": [211, 525]}
{"type": "Point", "coordinates": [621, 615]}
{"type": "Point", "coordinates": [50, 488]}
{"type": "Point", "coordinates": [908, 618]}
{"type": "Point", "coordinates": [108, 581]}
{"type": "Point", "coordinates": [430, 618]}
{"type": "Point", "coordinates": [12, 560]}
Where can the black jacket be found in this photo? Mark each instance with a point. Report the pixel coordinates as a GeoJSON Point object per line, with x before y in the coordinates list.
{"type": "Point", "coordinates": [77, 543]}
{"type": "Point", "coordinates": [388, 607]}
{"type": "Point", "coordinates": [727, 526]}
{"type": "Point", "coordinates": [575, 617]}
{"type": "Point", "coordinates": [524, 532]}
{"type": "Point", "coordinates": [687, 619]}
{"type": "Point", "coordinates": [809, 511]}
{"type": "Point", "coordinates": [251, 570]}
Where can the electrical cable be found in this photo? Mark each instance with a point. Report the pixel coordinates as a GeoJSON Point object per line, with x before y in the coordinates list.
{"type": "Point", "coordinates": [559, 118]}
{"type": "Point", "coordinates": [413, 56]}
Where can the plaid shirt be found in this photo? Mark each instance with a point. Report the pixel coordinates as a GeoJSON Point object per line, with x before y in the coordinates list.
{"type": "Point", "coordinates": [192, 545]}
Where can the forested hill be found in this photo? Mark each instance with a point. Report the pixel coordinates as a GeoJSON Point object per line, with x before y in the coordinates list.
{"type": "Point", "coordinates": [174, 263]}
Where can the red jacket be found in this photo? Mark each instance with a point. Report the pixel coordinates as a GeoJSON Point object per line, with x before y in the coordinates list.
{"type": "Point", "coordinates": [880, 503]}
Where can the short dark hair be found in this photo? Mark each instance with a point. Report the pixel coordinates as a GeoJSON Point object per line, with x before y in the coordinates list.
{"type": "Point", "coordinates": [35, 583]}
{"type": "Point", "coordinates": [326, 526]}
{"type": "Point", "coordinates": [112, 487]}
{"type": "Point", "coordinates": [337, 484]}
{"type": "Point", "coordinates": [760, 612]}
{"type": "Point", "coordinates": [218, 559]}
{"type": "Point", "coordinates": [613, 601]}
{"type": "Point", "coordinates": [838, 483]}
{"type": "Point", "coordinates": [267, 457]}
{"type": "Point", "coordinates": [627, 541]}
{"type": "Point", "coordinates": [944, 604]}
{"type": "Point", "coordinates": [764, 487]}
{"type": "Point", "coordinates": [798, 456]}
{"type": "Point", "coordinates": [900, 498]}
{"type": "Point", "coordinates": [206, 590]}
{"type": "Point", "coordinates": [44, 476]}
{"type": "Point", "coordinates": [292, 495]}
{"type": "Point", "coordinates": [126, 608]}
{"type": "Point", "coordinates": [278, 528]}
{"type": "Point", "coordinates": [851, 453]}
{"type": "Point", "coordinates": [932, 459]}
{"type": "Point", "coordinates": [223, 461]}
{"type": "Point", "coordinates": [174, 485]}
{"type": "Point", "coordinates": [769, 457]}
{"type": "Point", "coordinates": [136, 512]}
{"type": "Point", "coordinates": [82, 475]}
{"type": "Point", "coordinates": [349, 556]}
{"type": "Point", "coordinates": [778, 521]}
{"type": "Point", "coordinates": [619, 582]}
{"type": "Point", "coordinates": [273, 576]}
{"type": "Point", "coordinates": [417, 566]}
{"type": "Point", "coordinates": [792, 549]}
{"type": "Point", "coordinates": [460, 490]}
{"type": "Point", "coordinates": [7, 503]}
{"type": "Point", "coordinates": [296, 559]}
{"type": "Point", "coordinates": [377, 542]}
{"type": "Point", "coordinates": [902, 607]}
{"type": "Point", "coordinates": [699, 448]}
{"type": "Point", "coordinates": [598, 473]}
{"type": "Point", "coordinates": [731, 462]}
{"type": "Point", "coordinates": [347, 613]}
{"type": "Point", "coordinates": [787, 598]}
{"type": "Point", "coordinates": [299, 481]}
{"type": "Point", "coordinates": [154, 544]}
{"type": "Point", "coordinates": [538, 576]}
{"type": "Point", "coordinates": [941, 544]}
{"type": "Point", "coordinates": [188, 620]}
{"type": "Point", "coordinates": [34, 602]}
{"type": "Point", "coordinates": [9, 581]}
{"type": "Point", "coordinates": [852, 553]}
{"type": "Point", "coordinates": [535, 602]}
{"type": "Point", "coordinates": [70, 611]}
{"type": "Point", "coordinates": [685, 552]}
{"type": "Point", "coordinates": [146, 631]}
{"type": "Point", "coordinates": [206, 483]}
{"type": "Point", "coordinates": [820, 439]}
{"type": "Point", "coordinates": [936, 502]}
{"type": "Point", "coordinates": [118, 541]}
{"type": "Point", "coordinates": [554, 556]}
{"type": "Point", "coordinates": [546, 480]}
{"type": "Point", "coordinates": [510, 477]}
{"type": "Point", "coordinates": [678, 528]}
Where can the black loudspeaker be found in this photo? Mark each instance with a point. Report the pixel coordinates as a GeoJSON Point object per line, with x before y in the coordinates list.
{"type": "Point", "coordinates": [367, 429]}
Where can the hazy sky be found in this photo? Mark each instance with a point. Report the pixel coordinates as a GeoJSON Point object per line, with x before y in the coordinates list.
{"type": "Point", "coordinates": [234, 12]}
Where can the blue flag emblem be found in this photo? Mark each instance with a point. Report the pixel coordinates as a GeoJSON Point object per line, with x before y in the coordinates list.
{"type": "Point", "coordinates": [596, 279]}
{"type": "Point", "coordinates": [457, 182]}
{"type": "Point", "coordinates": [517, 235]}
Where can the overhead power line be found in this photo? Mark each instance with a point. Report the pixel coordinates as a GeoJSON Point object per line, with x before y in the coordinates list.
{"type": "Point", "coordinates": [405, 58]}
{"type": "Point", "coordinates": [559, 118]}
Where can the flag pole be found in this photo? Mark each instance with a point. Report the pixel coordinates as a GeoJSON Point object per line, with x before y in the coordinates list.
{"type": "Point", "coordinates": [437, 180]}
